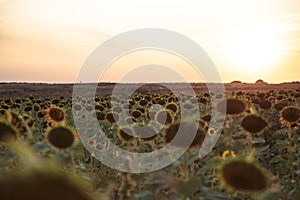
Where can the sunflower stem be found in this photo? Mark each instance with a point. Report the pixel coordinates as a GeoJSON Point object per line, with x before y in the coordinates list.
{"type": "Point", "coordinates": [213, 175]}
{"type": "Point", "coordinates": [230, 128]}
{"type": "Point", "coordinates": [289, 130]}
{"type": "Point", "coordinates": [92, 165]}
{"type": "Point", "coordinates": [72, 160]}
{"type": "Point", "coordinates": [249, 137]}
{"type": "Point", "coordinates": [186, 164]}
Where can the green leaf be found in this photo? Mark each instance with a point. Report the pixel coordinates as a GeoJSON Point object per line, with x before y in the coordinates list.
{"type": "Point", "coordinates": [256, 140]}
{"type": "Point", "coordinates": [190, 186]}
{"type": "Point", "coordinates": [146, 195]}
{"type": "Point", "coordinates": [42, 147]}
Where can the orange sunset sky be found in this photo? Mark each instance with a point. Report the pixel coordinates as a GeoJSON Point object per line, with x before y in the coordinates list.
{"type": "Point", "coordinates": [48, 40]}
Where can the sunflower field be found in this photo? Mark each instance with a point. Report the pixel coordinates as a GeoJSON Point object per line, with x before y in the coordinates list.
{"type": "Point", "coordinates": [256, 156]}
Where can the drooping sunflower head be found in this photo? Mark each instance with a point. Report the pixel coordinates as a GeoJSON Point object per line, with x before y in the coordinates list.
{"type": "Point", "coordinates": [147, 133]}
{"type": "Point", "coordinates": [164, 117]}
{"type": "Point", "coordinates": [265, 104]}
{"type": "Point", "coordinates": [8, 133]}
{"type": "Point", "coordinates": [61, 136]}
{"type": "Point", "coordinates": [253, 123]}
{"type": "Point", "coordinates": [55, 115]}
{"type": "Point", "coordinates": [125, 133]}
{"type": "Point", "coordinates": [290, 114]}
{"type": "Point", "coordinates": [182, 140]}
{"type": "Point", "coordinates": [231, 106]}
{"type": "Point", "coordinates": [243, 175]}
{"type": "Point", "coordinates": [14, 119]}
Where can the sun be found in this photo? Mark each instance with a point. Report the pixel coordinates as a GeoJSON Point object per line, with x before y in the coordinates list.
{"type": "Point", "coordinates": [254, 50]}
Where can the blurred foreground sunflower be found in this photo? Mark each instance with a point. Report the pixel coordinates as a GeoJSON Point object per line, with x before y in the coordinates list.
{"type": "Point", "coordinates": [8, 133]}
{"type": "Point", "coordinates": [243, 174]}
{"type": "Point", "coordinates": [41, 186]}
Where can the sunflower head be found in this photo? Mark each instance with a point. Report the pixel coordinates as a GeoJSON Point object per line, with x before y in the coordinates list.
{"type": "Point", "coordinates": [55, 115]}
{"type": "Point", "coordinates": [8, 133]}
{"type": "Point", "coordinates": [125, 134]}
{"type": "Point", "coordinates": [290, 114]}
{"type": "Point", "coordinates": [187, 128]}
{"type": "Point", "coordinates": [14, 119]}
{"type": "Point", "coordinates": [112, 117]}
{"type": "Point", "coordinates": [147, 133]}
{"type": "Point", "coordinates": [231, 106]}
{"type": "Point", "coordinates": [136, 114]}
{"type": "Point", "coordinates": [172, 107]}
{"type": "Point", "coordinates": [164, 117]}
{"type": "Point", "coordinates": [211, 132]}
{"type": "Point", "coordinates": [265, 104]}
{"type": "Point", "coordinates": [243, 175]}
{"type": "Point", "coordinates": [253, 123]}
{"type": "Point", "coordinates": [143, 102]}
{"type": "Point", "coordinates": [61, 136]}
{"type": "Point", "coordinates": [38, 184]}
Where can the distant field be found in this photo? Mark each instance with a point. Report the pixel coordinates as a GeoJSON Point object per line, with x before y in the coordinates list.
{"type": "Point", "coordinates": [256, 155]}
{"type": "Point", "coordinates": [14, 90]}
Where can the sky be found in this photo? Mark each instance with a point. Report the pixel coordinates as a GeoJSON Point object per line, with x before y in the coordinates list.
{"type": "Point", "coordinates": [49, 40]}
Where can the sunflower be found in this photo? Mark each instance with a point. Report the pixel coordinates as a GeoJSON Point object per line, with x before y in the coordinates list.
{"type": "Point", "coordinates": [243, 175]}
{"type": "Point", "coordinates": [188, 128]}
{"type": "Point", "coordinates": [112, 117]}
{"type": "Point", "coordinates": [280, 105]}
{"type": "Point", "coordinates": [14, 119]}
{"type": "Point", "coordinates": [41, 114]}
{"type": "Point", "coordinates": [172, 106]}
{"type": "Point", "coordinates": [164, 117]}
{"type": "Point", "coordinates": [147, 133]}
{"type": "Point", "coordinates": [61, 136]}
{"type": "Point", "coordinates": [55, 115]}
{"type": "Point", "coordinates": [290, 114]}
{"type": "Point", "coordinates": [228, 153]}
{"type": "Point", "coordinates": [28, 108]}
{"type": "Point", "coordinates": [265, 104]}
{"type": "Point", "coordinates": [211, 132]}
{"type": "Point", "coordinates": [253, 123]}
{"type": "Point", "coordinates": [92, 143]}
{"type": "Point", "coordinates": [125, 134]}
{"type": "Point", "coordinates": [100, 115]}
{"type": "Point", "coordinates": [231, 106]}
{"type": "Point", "coordinates": [42, 185]}
{"type": "Point", "coordinates": [8, 133]}
{"type": "Point", "coordinates": [136, 114]}
{"type": "Point", "coordinates": [143, 102]}
{"type": "Point", "coordinates": [206, 118]}
{"type": "Point", "coordinates": [99, 107]}
{"type": "Point", "coordinates": [202, 100]}
{"type": "Point", "coordinates": [202, 124]}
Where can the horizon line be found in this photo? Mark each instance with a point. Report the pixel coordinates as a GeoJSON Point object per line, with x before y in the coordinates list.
{"type": "Point", "coordinates": [114, 82]}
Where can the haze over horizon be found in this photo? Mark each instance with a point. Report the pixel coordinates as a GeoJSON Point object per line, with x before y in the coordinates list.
{"type": "Point", "coordinates": [48, 41]}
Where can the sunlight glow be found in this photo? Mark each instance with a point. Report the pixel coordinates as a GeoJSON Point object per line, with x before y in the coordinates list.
{"type": "Point", "coordinates": [245, 41]}
{"type": "Point", "coordinates": [255, 49]}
